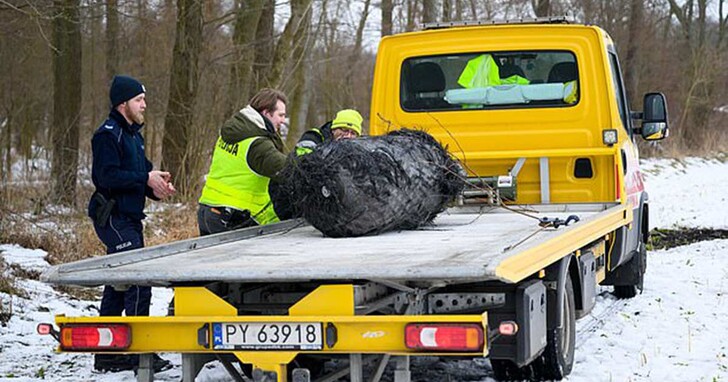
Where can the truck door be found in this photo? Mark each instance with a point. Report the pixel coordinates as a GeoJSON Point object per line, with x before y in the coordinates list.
{"type": "Point", "coordinates": [630, 167]}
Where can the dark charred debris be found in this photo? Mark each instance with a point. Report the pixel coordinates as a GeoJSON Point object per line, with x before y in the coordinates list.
{"type": "Point", "coordinates": [370, 185]}
{"type": "Point", "coordinates": [661, 238]}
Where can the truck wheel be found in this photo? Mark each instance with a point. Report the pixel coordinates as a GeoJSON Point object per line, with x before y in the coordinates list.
{"type": "Point", "coordinates": [558, 358]}
{"type": "Point", "coordinates": [640, 263]}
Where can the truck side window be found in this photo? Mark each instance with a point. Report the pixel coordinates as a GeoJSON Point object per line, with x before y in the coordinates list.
{"type": "Point", "coordinates": [619, 91]}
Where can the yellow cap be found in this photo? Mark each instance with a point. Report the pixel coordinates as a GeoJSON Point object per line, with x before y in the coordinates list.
{"type": "Point", "coordinates": [348, 119]}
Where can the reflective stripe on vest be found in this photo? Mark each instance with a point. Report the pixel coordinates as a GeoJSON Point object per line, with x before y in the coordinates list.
{"type": "Point", "coordinates": [307, 146]}
{"type": "Point", "coordinates": [232, 183]}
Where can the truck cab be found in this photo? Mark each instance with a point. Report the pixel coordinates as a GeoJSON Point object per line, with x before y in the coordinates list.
{"type": "Point", "coordinates": [537, 113]}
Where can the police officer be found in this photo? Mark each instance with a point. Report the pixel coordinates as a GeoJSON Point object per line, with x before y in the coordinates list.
{"type": "Point", "coordinates": [346, 125]}
{"type": "Point", "coordinates": [123, 178]}
{"type": "Point", "coordinates": [248, 154]}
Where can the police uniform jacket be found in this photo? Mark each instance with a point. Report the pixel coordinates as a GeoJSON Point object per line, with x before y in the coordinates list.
{"type": "Point", "coordinates": [120, 168]}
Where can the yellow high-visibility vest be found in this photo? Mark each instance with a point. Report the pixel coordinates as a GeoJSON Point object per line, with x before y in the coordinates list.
{"type": "Point", "coordinates": [232, 183]}
{"type": "Point", "coordinates": [480, 72]}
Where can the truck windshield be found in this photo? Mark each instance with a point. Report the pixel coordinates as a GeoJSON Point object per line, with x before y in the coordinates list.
{"type": "Point", "coordinates": [489, 80]}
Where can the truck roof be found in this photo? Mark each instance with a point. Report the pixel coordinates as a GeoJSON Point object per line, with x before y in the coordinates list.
{"type": "Point", "coordinates": [458, 247]}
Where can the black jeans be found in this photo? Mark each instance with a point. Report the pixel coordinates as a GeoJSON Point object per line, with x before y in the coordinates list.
{"type": "Point", "coordinates": [212, 220]}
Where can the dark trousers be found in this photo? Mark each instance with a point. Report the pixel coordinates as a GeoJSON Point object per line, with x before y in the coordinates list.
{"type": "Point", "coordinates": [119, 235]}
{"type": "Point", "coordinates": [212, 220]}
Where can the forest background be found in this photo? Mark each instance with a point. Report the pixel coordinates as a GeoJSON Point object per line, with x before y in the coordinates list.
{"type": "Point", "coordinates": [201, 61]}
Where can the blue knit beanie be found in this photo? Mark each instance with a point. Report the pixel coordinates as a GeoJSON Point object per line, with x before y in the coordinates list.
{"type": "Point", "coordinates": [124, 88]}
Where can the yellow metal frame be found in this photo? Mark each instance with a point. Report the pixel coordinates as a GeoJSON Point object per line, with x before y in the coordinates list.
{"type": "Point", "coordinates": [197, 306]}
{"type": "Point", "coordinates": [530, 261]}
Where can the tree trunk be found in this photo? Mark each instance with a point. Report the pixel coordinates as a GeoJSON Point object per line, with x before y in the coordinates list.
{"type": "Point", "coordinates": [182, 91]}
{"type": "Point", "coordinates": [301, 94]}
{"type": "Point", "coordinates": [282, 51]}
{"type": "Point", "coordinates": [112, 36]}
{"type": "Point", "coordinates": [411, 15]}
{"type": "Point", "coordinates": [429, 11]}
{"type": "Point", "coordinates": [446, 10]}
{"type": "Point", "coordinates": [722, 24]}
{"type": "Point", "coordinates": [542, 8]}
{"type": "Point", "coordinates": [699, 72]}
{"type": "Point", "coordinates": [247, 16]}
{"type": "Point", "coordinates": [6, 126]}
{"type": "Point", "coordinates": [387, 7]}
{"type": "Point", "coordinates": [66, 100]}
{"type": "Point", "coordinates": [264, 45]}
{"type": "Point", "coordinates": [351, 63]}
{"type": "Point", "coordinates": [634, 41]}
{"type": "Point", "coordinates": [474, 9]}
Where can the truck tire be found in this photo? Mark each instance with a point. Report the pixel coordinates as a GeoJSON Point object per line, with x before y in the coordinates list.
{"type": "Point", "coordinates": [558, 358]}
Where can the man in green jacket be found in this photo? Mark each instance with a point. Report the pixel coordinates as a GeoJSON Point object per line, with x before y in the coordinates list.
{"type": "Point", "coordinates": [247, 155]}
{"type": "Point", "coordinates": [346, 125]}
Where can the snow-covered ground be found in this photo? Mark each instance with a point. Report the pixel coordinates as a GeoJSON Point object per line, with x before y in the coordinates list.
{"type": "Point", "coordinates": [688, 193]}
{"type": "Point", "coordinates": [675, 331]}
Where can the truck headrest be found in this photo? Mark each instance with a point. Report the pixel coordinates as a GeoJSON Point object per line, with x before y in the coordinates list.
{"type": "Point", "coordinates": [427, 77]}
{"type": "Point", "coordinates": [562, 72]}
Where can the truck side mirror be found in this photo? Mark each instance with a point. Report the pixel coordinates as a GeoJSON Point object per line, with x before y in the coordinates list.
{"type": "Point", "coordinates": [654, 118]}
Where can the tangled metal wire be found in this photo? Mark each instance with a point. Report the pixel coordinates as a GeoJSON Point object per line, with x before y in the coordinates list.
{"type": "Point", "coordinates": [370, 185]}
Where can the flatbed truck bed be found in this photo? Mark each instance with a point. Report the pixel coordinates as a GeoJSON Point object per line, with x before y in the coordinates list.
{"type": "Point", "coordinates": [461, 245]}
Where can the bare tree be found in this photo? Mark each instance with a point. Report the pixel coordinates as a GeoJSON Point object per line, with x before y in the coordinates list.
{"type": "Point", "coordinates": [264, 44]}
{"type": "Point", "coordinates": [302, 67]}
{"type": "Point", "coordinates": [66, 100]}
{"type": "Point", "coordinates": [282, 51]}
{"type": "Point", "coordinates": [542, 8]}
{"type": "Point", "coordinates": [247, 17]}
{"type": "Point", "coordinates": [634, 41]}
{"type": "Point", "coordinates": [722, 24]}
{"type": "Point", "coordinates": [355, 55]}
{"type": "Point", "coordinates": [182, 91]}
{"type": "Point", "coordinates": [699, 72]}
{"type": "Point", "coordinates": [411, 15]}
{"type": "Point", "coordinates": [112, 37]}
{"type": "Point", "coordinates": [387, 7]}
{"type": "Point", "coordinates": [429, 11]}
{"type": "Point", "coordinates": [447, 10]}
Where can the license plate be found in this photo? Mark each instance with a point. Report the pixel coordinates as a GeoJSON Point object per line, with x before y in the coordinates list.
{"type": "Point", "coordinates": [267, 335]}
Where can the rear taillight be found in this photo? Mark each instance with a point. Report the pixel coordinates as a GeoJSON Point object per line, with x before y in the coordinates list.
{"type": "Point", "coordinates": [95, 336]}
{"type": "Point", "coordinates": [445, 337]}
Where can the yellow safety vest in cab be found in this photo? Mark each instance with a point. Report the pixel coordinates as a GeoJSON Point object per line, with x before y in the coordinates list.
{"type": "Point", "coordinates": [232, 183]}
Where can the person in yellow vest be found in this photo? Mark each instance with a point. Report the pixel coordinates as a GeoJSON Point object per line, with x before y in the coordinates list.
{"type": "Point", "coordinates": [346, 125]}
{"type": "Point", "coordinates": [248, 153]}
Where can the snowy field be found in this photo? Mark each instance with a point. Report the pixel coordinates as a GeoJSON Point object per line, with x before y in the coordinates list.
{"type": "Point", "coordinates": [675, 331]}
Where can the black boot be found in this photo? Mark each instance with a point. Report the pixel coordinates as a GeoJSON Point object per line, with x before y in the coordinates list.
{"type": "Point", "coordinates": [112, 363]}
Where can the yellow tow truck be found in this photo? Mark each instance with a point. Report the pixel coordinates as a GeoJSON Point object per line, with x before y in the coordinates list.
{"type": "Point", "coordinates": [536, 112]}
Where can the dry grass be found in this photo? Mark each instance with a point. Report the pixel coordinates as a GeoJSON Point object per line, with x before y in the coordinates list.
{"type": "Point", "coordinates": [68, 235]}
{"type": "Point", "coordinates": [81, 293]}
{"type": "Point", "coordinates": [173, 223]}
{"type": "Point", "coordinates": [7, 283]}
